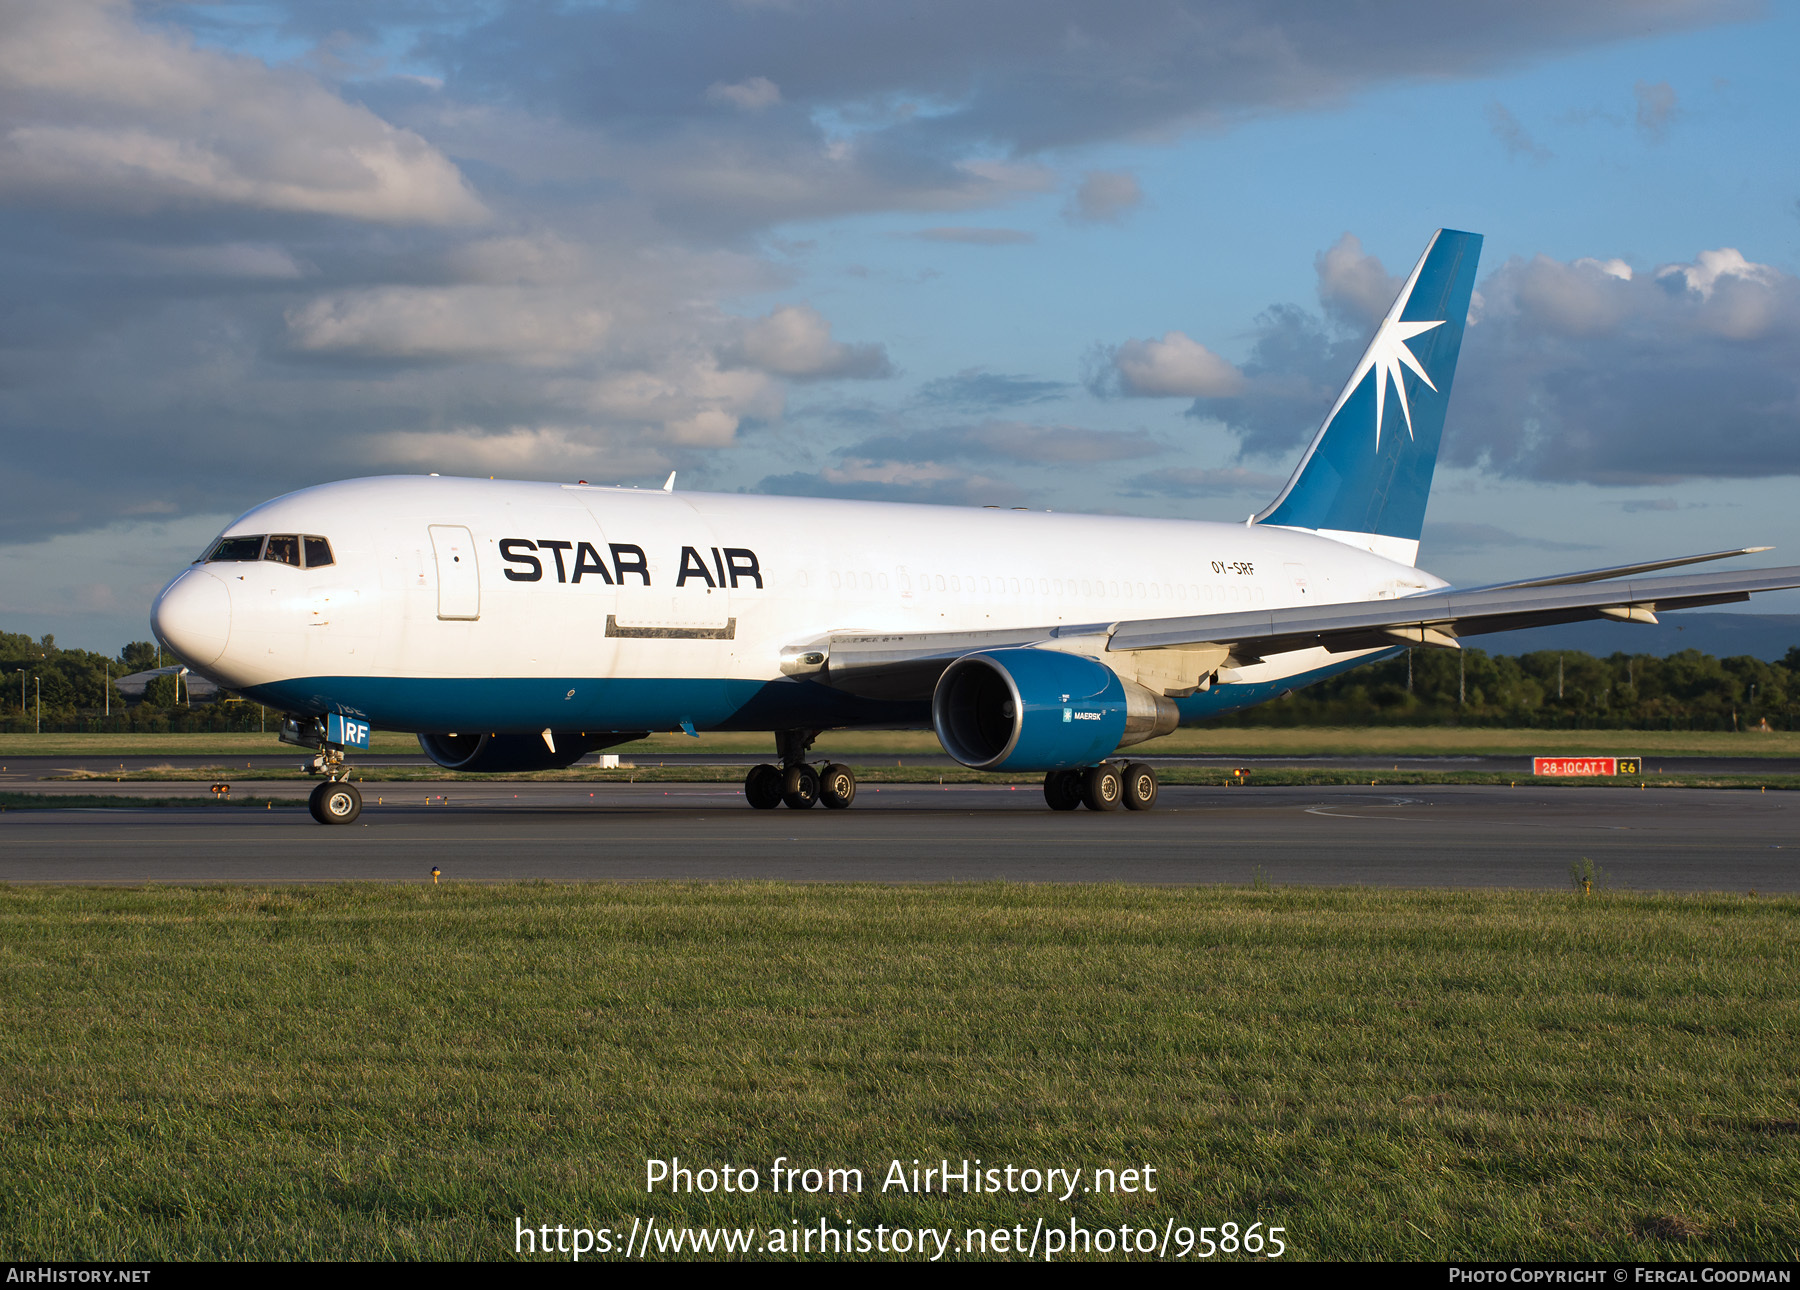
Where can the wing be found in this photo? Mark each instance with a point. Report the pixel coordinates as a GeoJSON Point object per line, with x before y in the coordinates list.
{"type": "Point", "coordinates": [1623, 570]}
{"type": "Point", "coordinates": [900, 666]}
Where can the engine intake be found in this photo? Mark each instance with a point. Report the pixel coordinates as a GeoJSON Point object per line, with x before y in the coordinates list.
{"type": "Point", "coordinates": [1037, 709]}
{"type": "Point", "coordinates": [494, 753]}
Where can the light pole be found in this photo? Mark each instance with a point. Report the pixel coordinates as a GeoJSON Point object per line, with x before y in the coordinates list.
{"type": "Point", "coordinates": [37, 683]}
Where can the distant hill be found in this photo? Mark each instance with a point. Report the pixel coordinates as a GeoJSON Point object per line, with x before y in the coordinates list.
{"type": "Point", "coordinates": [1764, 636]}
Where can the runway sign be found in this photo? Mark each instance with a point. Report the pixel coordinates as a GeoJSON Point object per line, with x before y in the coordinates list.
{"type": "Point", "coordinates": [1587, 765]}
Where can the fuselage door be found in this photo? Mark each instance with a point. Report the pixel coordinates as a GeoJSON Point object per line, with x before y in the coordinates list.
{"type": "Point", "coordinates": [459, 583]}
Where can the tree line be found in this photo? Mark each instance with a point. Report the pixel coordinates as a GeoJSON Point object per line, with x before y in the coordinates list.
{"type": "Point", "coordinates": [72, 688]}
{"type": "Point", "coordinates": [1552, 689]}
{"type": "Point", "coordinates": [1549, 689]}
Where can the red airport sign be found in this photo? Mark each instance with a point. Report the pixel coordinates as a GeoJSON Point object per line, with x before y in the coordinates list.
{"type": "Point", "coordinates": [1587, 765]}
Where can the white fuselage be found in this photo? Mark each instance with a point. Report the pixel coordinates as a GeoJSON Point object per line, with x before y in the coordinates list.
{"type": "Point", "coordinates": [725, 582]}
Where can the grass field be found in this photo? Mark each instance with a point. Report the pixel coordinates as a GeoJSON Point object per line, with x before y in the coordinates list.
{"type": "Point", "coordinates": [1381, 741]}
{"type": "Point", "coordinates": [374, 1071]}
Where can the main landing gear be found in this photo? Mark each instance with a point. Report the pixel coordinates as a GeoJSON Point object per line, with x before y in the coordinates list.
{"type": "Point", "coordinates": [795, 784]}
{"type": "Point", "coordinates": [1106, 787]}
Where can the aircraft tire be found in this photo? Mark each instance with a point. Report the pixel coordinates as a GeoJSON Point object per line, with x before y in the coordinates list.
{"type": "Point", "coordinates": [1102, 788]}
{"type": "Point", "coordinates": [762, 787]}
{"type": "Point", "coordinates": [1140, 786]}
{"type": "Point", "coordinates": [837, 787]}
{"type": "Point", "coordinates": [800, 787]}
{"type": "Point", "coordinates": [1062, 789]}
{"type": "Point", "coordinates": [338, 803]}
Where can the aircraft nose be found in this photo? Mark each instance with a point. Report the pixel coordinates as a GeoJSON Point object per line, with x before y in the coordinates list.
{"type": "Point", "coordinates": [192, 617]}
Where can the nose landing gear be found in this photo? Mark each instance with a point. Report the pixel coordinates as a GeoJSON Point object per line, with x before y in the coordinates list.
{"type": "Point", "coordinates": [335, 802]}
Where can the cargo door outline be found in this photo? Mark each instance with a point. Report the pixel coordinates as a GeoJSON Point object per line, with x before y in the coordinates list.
{"type": "Point", "coordinates": [459, 580]}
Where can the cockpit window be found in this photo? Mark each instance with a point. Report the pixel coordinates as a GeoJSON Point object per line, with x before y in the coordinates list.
{"type": "Point", "coordinates": [238, 548]}
{"type": "Point", "coordinates": [282, 548]}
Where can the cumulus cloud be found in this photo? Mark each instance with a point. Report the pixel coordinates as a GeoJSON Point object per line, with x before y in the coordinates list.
{"type": "Point", "coordinates": [516, 451]}
{"type": "Point", "coordinates": [1297, 362]}
{"type": "Point", "coordinates": [1104, 197]}
{"type": "Point", "coordinates": [1173, 367]}
{"type": "Point", "coordinates": [98, 111]}
{"type": "Point", "coordinates": [1580, 373]}
{"type": "Point", "coordinates": [795, 341]}
{"type": "Point", "coordinates": [1353, 286]}
{"type": "Point", "coordinates": [1578, 299]}
{"type": "Point", "coordinates": [1710, 268]}
{"type": "Point", "coordinates": [694, 401]}
{"type": "Point", "coordinates": [448, 324]}
{"type": "Point", "coordinates": [1577, 371]}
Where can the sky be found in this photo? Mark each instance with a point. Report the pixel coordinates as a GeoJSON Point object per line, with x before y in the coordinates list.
{"type": "Point", "coordinates": [1112, 257]}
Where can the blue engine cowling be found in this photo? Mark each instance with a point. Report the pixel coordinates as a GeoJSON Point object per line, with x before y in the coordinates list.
{"type": "Point", "coordinates": [1028, 709]}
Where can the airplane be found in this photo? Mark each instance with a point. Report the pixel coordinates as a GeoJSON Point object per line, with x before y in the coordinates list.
{"type": "Point", "coordinates": [521, 626]}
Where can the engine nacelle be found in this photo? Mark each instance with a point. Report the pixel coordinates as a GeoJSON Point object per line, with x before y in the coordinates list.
{"type": "Point", "coordinates": [491, 753]}
{"type": "Point", "coordinates": [1039, 709]}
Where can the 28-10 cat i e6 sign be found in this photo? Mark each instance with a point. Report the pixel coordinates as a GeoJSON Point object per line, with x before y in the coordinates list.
{"type": "Point", "coordinates": [1586, 765]}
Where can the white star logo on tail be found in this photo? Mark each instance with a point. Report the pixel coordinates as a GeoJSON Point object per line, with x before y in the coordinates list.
{"type": "Point", "coordinates": [1388, 356]}
{"type": "Point", "coordinates": [1388, 353]}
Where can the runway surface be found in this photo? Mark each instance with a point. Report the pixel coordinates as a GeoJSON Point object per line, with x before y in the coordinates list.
{"type": "Point", "coordinates": [1453, 836]}
{"type": "Point", "coordinates": [17, 771]}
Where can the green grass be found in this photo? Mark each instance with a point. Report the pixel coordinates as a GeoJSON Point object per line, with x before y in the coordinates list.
{"type": "Point", "coordinates": [1381, 741]}
{"type": "Point", "coordinates": [181, 745]}
{"type": "Point", "coordinates": [377, 1071]}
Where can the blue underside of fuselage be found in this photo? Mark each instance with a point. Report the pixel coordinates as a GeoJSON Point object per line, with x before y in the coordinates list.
{"type": "Point", "coordinates": [529, 704]}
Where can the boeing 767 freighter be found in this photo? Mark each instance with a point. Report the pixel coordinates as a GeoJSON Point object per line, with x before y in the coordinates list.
{"type": "Point", "coordinates": [519, 626]}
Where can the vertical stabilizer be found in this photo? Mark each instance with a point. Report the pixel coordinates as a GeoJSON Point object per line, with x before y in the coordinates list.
{"type": "Point", "coordinates": [1366, 475]}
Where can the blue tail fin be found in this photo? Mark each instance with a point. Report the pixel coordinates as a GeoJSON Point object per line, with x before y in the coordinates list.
{"type": "Point", "coordinates": [1367, 474]}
